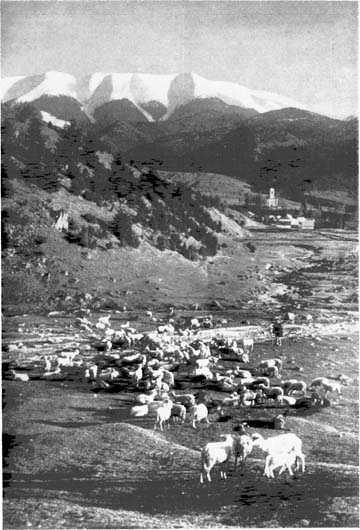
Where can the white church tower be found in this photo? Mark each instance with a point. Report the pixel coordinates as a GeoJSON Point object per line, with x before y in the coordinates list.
{"type": "Point", "coordinates": [272, 201]}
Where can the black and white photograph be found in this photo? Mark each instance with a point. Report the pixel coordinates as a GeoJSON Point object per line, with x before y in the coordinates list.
{"type": "Point", "coordinates": [179, 262]}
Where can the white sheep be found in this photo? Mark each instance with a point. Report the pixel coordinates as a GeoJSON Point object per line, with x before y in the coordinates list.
{"type": "Point", "coordinates": [184, 399]}
{"type": "Point", "coordinates": [282, 461]}
{"type": "Point", "coordinates": [248, 344]}
{"type": "Point", "coordinates": [232, 401]}
{"type": "Point", "coordinates": [198, 413]}
{"type": "Point", "coordinates": [326, 385]}
{"type": "Point", "coordinates": [55, 374]}
{"type": "Point", "coordinates": [47, 364]}
{"type": "Point", "coordinates": [163, 415]}
{"type": "Point", "coordinates": [194, 323]}
{"type": "Point", "coordinates": [216, 453]}
{"type": "Point", "coordinates": [105, 320]}
{"type": "Point", "coordinates": [139, 410]}
{"type": "Point", "coordinates": [289, 400]}
{"type": "Point", "coordinates": [144, 399]}
{"type": "Point", "coordinates": [247, 397]}
{"type": "Point", "coordinates": [291, 317]}
{"type": "Point", "coordinates": [243, 374]}
{"type": "Point", "coordinates": [264, 365]}
{"type": "Point", "coordinates": [344, 379]}
{"type": "Point", "coordinates": [168, 377]}
{"type": "Point", "coordinates": [93, 371]}
{"type": "Point", "coordinates": [18, 376]}
{"type": "Point", "coordinates": [283, 443]}
{"type": "Point", "coordinates": [243, 447]}
{"type": "Point", "coordinates": [204, 372]}
{"type": "Point", "coordinates": [275, 392]}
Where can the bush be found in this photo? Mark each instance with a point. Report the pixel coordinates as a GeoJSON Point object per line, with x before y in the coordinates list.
{"type": "Point", "coordinates": [250, 246]}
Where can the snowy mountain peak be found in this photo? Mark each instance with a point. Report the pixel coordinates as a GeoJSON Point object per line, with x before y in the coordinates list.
{"type": "Point", "coordinates": [140, 89]}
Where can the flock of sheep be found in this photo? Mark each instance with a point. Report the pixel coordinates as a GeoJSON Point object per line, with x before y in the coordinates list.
{"type": "Point", "coordinates": [153, 363]}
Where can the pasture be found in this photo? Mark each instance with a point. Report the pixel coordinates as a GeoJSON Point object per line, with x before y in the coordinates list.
{"type": "Point", "coordinates": [74, 458]}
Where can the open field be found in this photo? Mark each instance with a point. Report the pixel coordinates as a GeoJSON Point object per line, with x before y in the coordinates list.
{"type": "Point", "coordinates": [74, 458]}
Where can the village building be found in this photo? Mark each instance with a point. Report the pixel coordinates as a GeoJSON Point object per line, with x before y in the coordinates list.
{"type": "Point", "coordinates": [272, 201]}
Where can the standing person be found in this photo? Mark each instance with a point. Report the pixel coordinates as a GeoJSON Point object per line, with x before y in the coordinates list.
{"type": "Point", "coordinates": [278, 331]}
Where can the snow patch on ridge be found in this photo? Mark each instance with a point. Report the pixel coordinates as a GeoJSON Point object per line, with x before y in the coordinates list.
{"type": "Point", "coordinates": [53, 84]}
{"type": "Point", "coordinates": [52, 119]}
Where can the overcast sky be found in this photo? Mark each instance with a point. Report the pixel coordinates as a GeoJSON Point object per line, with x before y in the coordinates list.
{"type": "Point", "coordinates": [304, 50]}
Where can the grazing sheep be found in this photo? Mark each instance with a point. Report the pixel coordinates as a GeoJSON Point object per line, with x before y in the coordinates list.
{"type": "Point", "coordinates": [163, 415]}
{"type": "Point", "coordinates": [178, 411]}
{"type": "Point", "coordinates": [276, 393]}
{"type": "Point", "coordinates": [198, 413]}
{"type": "Point", "coordinates": [248, 344]}
{"type": "Point", "coordinates": [279, 422]}
{"type": "Point", "coordinates": [108, 375]}
{"type": "Point", "coordinates": [154, 405]}
{"type": "Point", "coordinates": [185, 399]}
{"type": "Point", "coordinates": [291, 317]}
{"type": "Point", "coordinates": [258, 381]}
{"type": "Point", "coordinates": [161, 386]}
{"type": "Point", "coordinates": [146, 398]}
{"type": "Point", "coordinates": [50, 376]}
{"type": "Point", "coordinates": [247, 397]}
{"type": "Point", "coordinates": [289, 400]}
{"type": "Point", "coordinates": [344, 379]}
{"type": "Point", "coordinates": [232, 401]}
{"type": "Point", "coordinates": [243, 357]}
{"type": "Point", "coordinates": [205, 372]}
{"type": "Point", "coordinates": [93, 371]}
{"type": "Point", "coordinates": [168, 378]}
{"type": "Point", "coordinates": [63, 361]}
{"type": "Point", "coordinates": [326, 385]}
{"type": "Point", "coordinates": [291, 386]}
{"type": "Point", "coordinates": [216, 453]}
{"type": "Point", "coordinates": [105, 320]}
{"type": "Point", "coordinates": [16, 376]}
{"type": "Point", "coordinates": [283, 443]}
{"type": "Point", "coordinates": [194, 323]}
{"type": "Point", "coordinates": [139, 410]}
{"type": "Point", "coordinates": [243, 374]}
{"type": "Point", "coordinates": [243, 447]}
{"type": "Point", "coordinates": [282, 461]}
{"type": "Point", "coordinates": [47, 363]}
{"type": "Point", "coordinates": [264, 365]}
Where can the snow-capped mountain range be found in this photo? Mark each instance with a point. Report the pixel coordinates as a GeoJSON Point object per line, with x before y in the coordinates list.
{"type": "Point", "coordinates": [165, 91]}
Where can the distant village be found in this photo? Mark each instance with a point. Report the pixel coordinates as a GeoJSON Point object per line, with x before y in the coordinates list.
{"type": "Point", "coordinates": [319, 213]}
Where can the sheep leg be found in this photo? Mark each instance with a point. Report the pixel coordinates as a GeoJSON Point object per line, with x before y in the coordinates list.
{"type": "Point", "coordinates": [282, 469]}
{"type": "Point", "coordinates": [302, 459]}
{"type": "Point", "coordinates": [267, 469]}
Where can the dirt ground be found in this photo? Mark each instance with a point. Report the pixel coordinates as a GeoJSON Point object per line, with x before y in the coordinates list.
{"type": "Point", "coordinates": [73, 458]}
